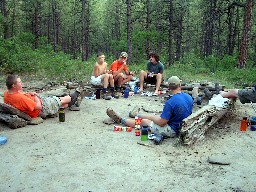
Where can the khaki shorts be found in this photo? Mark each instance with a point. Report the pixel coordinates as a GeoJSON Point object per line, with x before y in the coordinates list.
{"type": "Point", "coordinates": [247, 95]}
{"type": "Point", "coordinates": [50, 105]}
{"type": "Point", "coordinates": [167, 130]}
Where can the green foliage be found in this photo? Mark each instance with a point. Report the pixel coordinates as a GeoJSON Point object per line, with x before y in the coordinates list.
{"type": "Point", "coordinates": [17, 55]}
{"type": "Point", "coordinates": [193, 68]}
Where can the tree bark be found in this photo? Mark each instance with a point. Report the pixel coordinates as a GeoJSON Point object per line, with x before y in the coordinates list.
{"type": "Point", "coordinates": [243, 51]}
{"type": "Point", "coordinates": [5, 14]}
{"type": "Point", "coordinates": [36, 23]}
{"type": "Point", "coordinates": [54, 25]}
{"type": "Point", "coordinates": [147, 26]}
{"type": "Point", "coordinates": [83, 29]}
{"type": "Point", "coordinates": [209, 28]}
{"type": "Point", "coordinates": [129, 29]}
{"type": "Point", "coordinates": [170, 38]}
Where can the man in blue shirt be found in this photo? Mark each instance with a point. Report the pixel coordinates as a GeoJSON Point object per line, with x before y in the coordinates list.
{"type": "Point", "coordinates": [177, 108]}
{"type": "Point", "coordinates": [154, 73]}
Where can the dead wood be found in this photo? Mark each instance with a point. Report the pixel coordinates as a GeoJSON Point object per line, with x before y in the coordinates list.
{"type": "Point", "coordinates": [8, 109]}
{"type": "Point", "coordinates": [195, 126]}
{"type": "Point", "coordinates": [12, 121]}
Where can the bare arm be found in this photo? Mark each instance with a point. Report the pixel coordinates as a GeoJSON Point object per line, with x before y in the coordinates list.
{"type": "Point", "coordinates": [38, 102]}
{"type": "Point", "coordinates": [96, 70]}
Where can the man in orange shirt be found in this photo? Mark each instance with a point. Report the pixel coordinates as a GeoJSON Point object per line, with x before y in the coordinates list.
{"type": "Point", "coordinates": [117, 68]}
{"type": "Point", "coordinates": [33, 104]}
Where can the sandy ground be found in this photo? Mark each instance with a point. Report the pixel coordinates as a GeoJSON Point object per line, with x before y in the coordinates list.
{"type": "Point", "coordinates": [83, 154]}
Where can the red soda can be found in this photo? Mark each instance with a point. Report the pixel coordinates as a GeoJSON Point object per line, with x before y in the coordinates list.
{"type": "Point", "coordinates": [128, 129]}
{"type": "Point", "coordinates": [137, 132]}
{"type": "Point", "coordinates": [117, 128]}
{"type": "Point", "coordinates": [137, 122]}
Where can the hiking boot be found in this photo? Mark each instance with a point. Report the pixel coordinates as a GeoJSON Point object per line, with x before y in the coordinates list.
{"type": "Point", "coordinates": [134, 112]}
{"type": "Point", "coordinates": [111, 113]}
{"type": "Point", "coordinates": [106, 96]}
{"type": "Point", "coordinates": [42, 115]}
{"type": "Point", "coordinates": [80, 98]}
{"type": "Point", "coordinates": [74, 97]}
{"type": "Point", "coordinates": [207, 93]}
{"type": "Point", "coordinates": [74, 108]}
{"type": "Point", "coordinates": [115, 95]}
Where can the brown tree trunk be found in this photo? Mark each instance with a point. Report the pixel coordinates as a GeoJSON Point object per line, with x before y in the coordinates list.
{"type": "Point", "coordinates": [5, 14]}
{"type": "Point", "coordinates": [13, 18]}
{"type": "Point", "coordinates": [147, 25]}
{"type": "Point", "coordinates": [36, 23]}
{"type": "Point", "coordinates": [209, 29]}
{"type": "Point", "coordinates": [179, 33]}
{"type": "Point", "coordinates": [54, 25]}
{"type": "Point", "coordinates": [83, 29]}
{"type": "Point", "coordinates": [170, 49]}
{"type": "Point", "coordinates": [129, 29]}
{"type": "Point", "coordinates": [115, 33]}
{"type": "Point", "coordinates": [87, 30]}
{"type": "Point", "coordinates": [243, 52]}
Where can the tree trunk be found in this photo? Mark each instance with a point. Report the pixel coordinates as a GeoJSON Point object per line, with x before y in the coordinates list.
{"type": "Point", "coordinates": [5, 14]}
{"type": "Point", "coordinates": [179, 33]}
{"type": "Point", "coordinates": [87, 30]}
{"type": "Point", "coordinates": [83, 29]}
{"type": "Point", "coordinates": [54, 24]}
{"type": "Point", "coordinates": [243, 52]}
{"type": "Point", "coordinates": [36, 23]}
{"type": "Point", "coordinates": [147, 25]}
{"type": "Point", "coordinates": [209, 28]}
{"type": "Point", "coordinates": [170, 39]}
{"type": "Point", "coordinates": [129, 29]}
{"type": "Point", "coordinates": [13, 18]}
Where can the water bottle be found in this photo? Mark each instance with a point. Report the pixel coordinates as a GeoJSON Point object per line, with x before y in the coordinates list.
{"type": "Point", "coordinates": [126, 92]}
{"type": "Point", "coordinates": [199, 100]}
{"type": "Point", "coordinates": [3, 140]}
{"type": "Point", "coordinates": [144, 133]}
{"type": "Point", "coordinates": [62, 114]}
{"type": "Point", "coordinates": [135, 90]}
{"type": "Point", "coordinates": [98, 94]}
{"type": "Point", "coordinates": [244, 124]}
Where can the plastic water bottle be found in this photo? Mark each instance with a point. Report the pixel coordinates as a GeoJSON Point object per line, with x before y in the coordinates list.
{"type": "Point", "coordinates": [126, 92]}
{"type": "Point", "coordinates": [135, 90]}
{"type": "Point", "coordinates": [3, 140]}
{"type": "Point", "coordinates": [144, 133]}
{"type": "Point", "coordinates": [244, 124]}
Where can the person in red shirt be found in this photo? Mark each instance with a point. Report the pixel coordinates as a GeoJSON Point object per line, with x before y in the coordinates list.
{"type": "Point", "coordinates": [119, 69]}
{"type": "Point", "coordinates": [33, 104]}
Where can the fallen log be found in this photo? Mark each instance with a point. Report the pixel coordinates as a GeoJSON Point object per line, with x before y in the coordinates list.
{"type": "Point", "coordinates": [195, 126]}
{"type": "Point", "coordinates": [8, 109]}
{"type": "Point", "coordinates": [12, 121]}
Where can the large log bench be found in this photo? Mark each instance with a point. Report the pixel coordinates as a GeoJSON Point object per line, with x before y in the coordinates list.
{"type": "Point", "coordinates": [13, 117]}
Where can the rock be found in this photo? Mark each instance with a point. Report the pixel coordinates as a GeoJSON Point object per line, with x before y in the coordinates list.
{"type": "Point", "coordinates": [219, 160]}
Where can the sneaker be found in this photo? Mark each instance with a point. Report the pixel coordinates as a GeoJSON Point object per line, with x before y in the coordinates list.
{"type": "Point", "coordinates": [111, 113]}
{"type": "Point", "coordinates": [134, 112]}
{"type": "Point", "coordinates": [207, 93]}
{"type": "Point", "coordinates": [106, 96]}
{"type": "Point", "coordinates": [115, 95]}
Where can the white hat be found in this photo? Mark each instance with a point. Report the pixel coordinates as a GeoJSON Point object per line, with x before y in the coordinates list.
{"type": "Point", "coordinates": [174, 80]}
